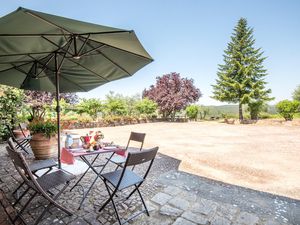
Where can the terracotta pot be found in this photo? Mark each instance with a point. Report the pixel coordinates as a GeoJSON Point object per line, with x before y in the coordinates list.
{"type": "Point", "coordinates": [18, 133]}
{"type": "Point", "coordinates": [43, 147]}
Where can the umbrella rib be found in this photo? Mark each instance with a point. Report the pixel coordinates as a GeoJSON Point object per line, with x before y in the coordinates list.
{"type": "Point", "coordinates": [51, 42]}
{"type": "Point", "coordinates": [45, 65]}
{"type": "Point", "coordinates": [14, 67]}
{"type": "Point", "coordinates": [101, 53]}
{"type": "Point", "coordinates": [24, 61]}
{"type": "Point", "coordinates": [74, 83]}
{"type": "Point", "coordinates": [47, 21]}
{"type": "Point", "coordinates": [70, 34]}
{"type": "Point", "coordinates": [116, 64]}
{"type": "Point", "coordinates": [132, 53]}
{"type": "Point", "coordinates": [87, 53]}
{"type": "Point", "coordinates": [118, 48]}
{"type": "Point", "coordinates": [26, 78]}
{"type": "Point", "coordinates": [65, 53]}
{"type": "Point", "coordinates": [31, 53]}
{"type": "Point", "coordinates": [78, 64]}
{"type": "Point", "coordinates": [84, 43]}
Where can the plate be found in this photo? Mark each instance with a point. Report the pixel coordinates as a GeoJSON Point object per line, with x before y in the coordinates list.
{"type": "Point", "coordinates": [110, 148]}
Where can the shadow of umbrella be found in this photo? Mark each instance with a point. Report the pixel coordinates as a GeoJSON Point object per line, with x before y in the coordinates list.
{"type": "Point", "coordinates": [45, 52]}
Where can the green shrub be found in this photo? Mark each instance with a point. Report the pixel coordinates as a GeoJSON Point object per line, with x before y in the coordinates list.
{"type": "Point", "coordinates": [146, 107]}
{"type": "Point", "coordinates": [192, 111]}
{"type": "Point", "coordinates": [287, 108]}
{"type": "Point", "coordinates": [48, 128]}
{"type": "Point", "coordinates": [11, 105]}
{"type": "Point", "coordinates": [90, 106]}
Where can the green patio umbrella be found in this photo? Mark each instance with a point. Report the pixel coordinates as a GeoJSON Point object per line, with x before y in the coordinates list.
{"type": "Point", "coordinates": [39, 51]}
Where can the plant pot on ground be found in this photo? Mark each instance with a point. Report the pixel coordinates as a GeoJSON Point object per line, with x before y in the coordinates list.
{"type": "Point", "coordinates": [18, 133]}
{"type": "Point", "coordinates": [44, 140]}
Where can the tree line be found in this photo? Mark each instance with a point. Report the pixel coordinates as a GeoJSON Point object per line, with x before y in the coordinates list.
{"type": "Point", "coordinates": [240, 80]}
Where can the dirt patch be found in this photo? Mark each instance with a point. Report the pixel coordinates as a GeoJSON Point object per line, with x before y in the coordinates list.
{"type": "Point", "coordinates": [263, 157]}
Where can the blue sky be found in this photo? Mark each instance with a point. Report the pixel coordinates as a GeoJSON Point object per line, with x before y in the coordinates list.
{"type": "Point", "coordinates": [189, 37]}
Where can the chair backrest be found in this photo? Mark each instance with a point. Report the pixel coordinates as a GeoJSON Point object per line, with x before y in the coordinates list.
{"type": "Point", "coordinates": [136, 158]}
{"type": "Point", "coordinates": [22, 167]}
{"type": "Point", "coordinates": [11, 132]}
{"type": "Point", "coordinates": [11, 142]}
{"type": "Point", "coordinates": [20, 164]}
{"type": "Point", "coordinates": [138, 137]}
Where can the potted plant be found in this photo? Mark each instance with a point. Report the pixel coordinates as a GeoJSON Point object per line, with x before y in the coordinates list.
{"type": "Point", "coordinates": [44, 140]}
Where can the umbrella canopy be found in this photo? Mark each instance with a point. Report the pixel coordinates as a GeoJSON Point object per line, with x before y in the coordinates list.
{"type": "Point", "coordinates": [39, 51]}
{"type": "Point", "coordinates": [33, 45]}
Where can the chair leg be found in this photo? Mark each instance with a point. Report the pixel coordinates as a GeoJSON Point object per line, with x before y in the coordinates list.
{"type": "Point", "coordinates": [52, 202]}
{"type": "Point", "coordinates": [22, 195]}
{"type": "Point", "coordinates": [115, 208]}
{"type": "Point", "coordinates": [111, 195]}
{"type": "Point", "coordinates": [15, 191]}
{"type": "Point", "coordinates": [137, 188]}
{"type": "Point", "coordinates": [108, 200]}
{"type": "Point", "coordinates": [133, 191]}
{"type": "Point", "coordinates": [117, 167]}
{"type": "Point", "coordinates": [24, 207]}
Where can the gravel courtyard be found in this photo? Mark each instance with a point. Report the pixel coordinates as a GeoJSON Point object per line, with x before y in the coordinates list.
{"type": "Point", "coordinates": [260, 157]}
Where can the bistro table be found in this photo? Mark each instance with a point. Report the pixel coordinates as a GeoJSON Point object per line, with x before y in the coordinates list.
{"type": "Point", "coordinates": [68, 156]}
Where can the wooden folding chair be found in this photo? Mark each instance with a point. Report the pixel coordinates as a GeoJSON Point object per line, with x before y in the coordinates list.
{"type": "Point", "coordinates": [126, 178]}
{"type": "Point", "coordinates": [41, 185]}
{"type": "Point", "coordinates": [20, 143]}
{"type": "Point", "coordinates": [34, 167]}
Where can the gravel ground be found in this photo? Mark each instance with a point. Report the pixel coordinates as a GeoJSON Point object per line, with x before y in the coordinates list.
{"type": "Point", "coordinates": [261, 157]}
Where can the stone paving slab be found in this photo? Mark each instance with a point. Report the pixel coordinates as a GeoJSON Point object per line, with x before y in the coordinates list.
{"type": "Point", "coordinates": [189, 207]}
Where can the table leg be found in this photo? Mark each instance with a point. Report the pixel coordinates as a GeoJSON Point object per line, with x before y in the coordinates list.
{"type": "Point", "coordinates": [84, 173]}
{"type": "Point", "coordinates": [90, 165]}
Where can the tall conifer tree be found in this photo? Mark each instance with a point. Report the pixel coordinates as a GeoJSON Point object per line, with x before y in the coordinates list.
{"type": "Point", "coordinates": [241, 77]}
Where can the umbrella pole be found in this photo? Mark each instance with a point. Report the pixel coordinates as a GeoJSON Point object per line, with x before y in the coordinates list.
{"type": "Point", "coordinates": [57, 110]}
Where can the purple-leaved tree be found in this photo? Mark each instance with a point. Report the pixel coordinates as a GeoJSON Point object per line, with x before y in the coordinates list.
{"type": "Point", "coordinates": [39, 99]}
{"type": "Point", "coordinates": [172, 93]}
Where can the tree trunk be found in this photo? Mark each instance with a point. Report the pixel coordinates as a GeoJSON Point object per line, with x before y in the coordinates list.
{"type": "Point", "coordinates": [241, 117]}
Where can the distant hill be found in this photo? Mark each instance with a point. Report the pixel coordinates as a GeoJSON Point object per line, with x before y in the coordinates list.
{"type": "Point", "coordinates": [227, 109]}
{"type": "Point", "coordinates": [232, 110]}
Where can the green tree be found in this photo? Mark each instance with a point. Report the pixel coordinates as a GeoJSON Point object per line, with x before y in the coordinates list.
{"type": "Point", "coordinates": [296, 93]}
{"type": "Point", "coordinates": [241, 77]}
{"type": "Point", "coordinates": [192, 111]}
{"type": "Point", "coordinates": [90, 106]}
{"type": "Point", "coordinates": [255, 107]}
{"type": "Point", "coordinates": [203, 112]}
{"type": "Point", "coordinates": [287, 108]}
{"type": "Point", "coordinates": [11, 104]}
{"type": "Point", "coordinates": [130, 102]}
{"type": "Point", "coordinates": [146, 107]}
{"type": "Point", "coordinates": [115, 104]}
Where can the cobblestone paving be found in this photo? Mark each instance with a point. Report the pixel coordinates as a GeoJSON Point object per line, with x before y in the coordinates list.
{"type": "Point", "coordinates": [88, 214]}
{"type": "Point", "coordinates": [185, 199]}
{"type": "Point", "coordinates": [172, 198]}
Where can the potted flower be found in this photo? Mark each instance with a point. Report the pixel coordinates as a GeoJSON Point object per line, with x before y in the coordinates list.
{"type": "Point", "coordinates": [44, 140]}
